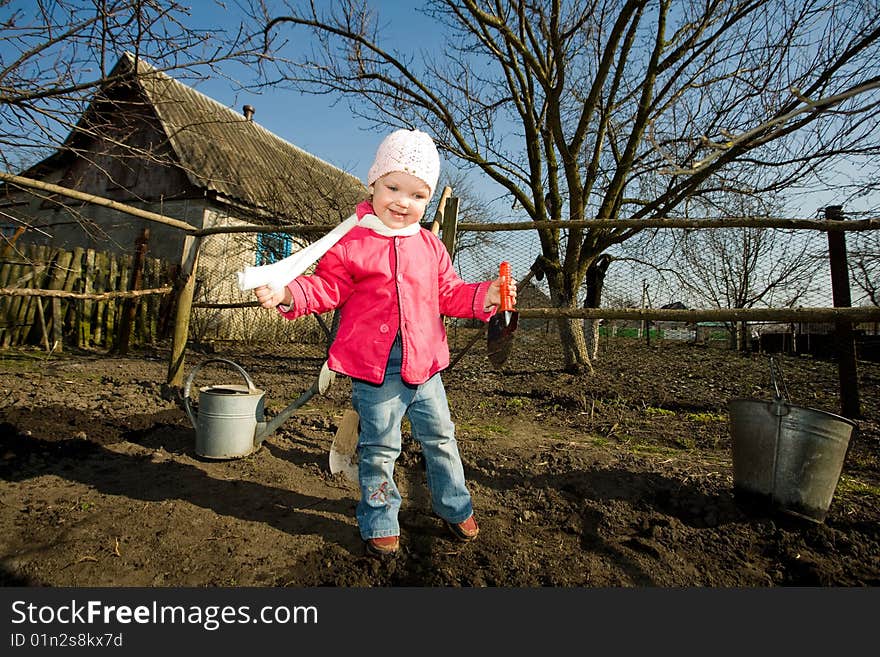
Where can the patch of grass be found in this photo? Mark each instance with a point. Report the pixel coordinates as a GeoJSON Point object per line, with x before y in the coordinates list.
{"type": "Point", "coordinates": [861, 461]}
{"type": "Point", "coordinates": [706, 418]}
{"type": "Point", "coordinates": [686, 442]}
{"type": "Point", "coordinates": [611, 404]}
{"type": "Point", "coordinates": [850, 485]}
{"type": "Point", "coordinates": [515, 403]}
{"type": "Point", "coordinates": [651, 410]}
{"type": "Point", "coordinates": [16, 366]}
{"type": "Point", "coordinates": [653, 449]}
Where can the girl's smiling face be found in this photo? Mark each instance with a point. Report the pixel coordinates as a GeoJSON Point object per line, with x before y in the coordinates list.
{"type": "Point", "coordinates": [400, 199]}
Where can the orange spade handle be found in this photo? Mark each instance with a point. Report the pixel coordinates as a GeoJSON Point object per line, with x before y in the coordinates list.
{"type": "Point", "coordinates": [504, 276]}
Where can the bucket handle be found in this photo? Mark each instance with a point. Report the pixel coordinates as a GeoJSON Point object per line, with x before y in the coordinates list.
{"type": "Point", "coordinates": [781, 403]}
{"type": "Point", "coordinates": [192, 375]}
{"type": "Point", "coordinates": [776, 379]}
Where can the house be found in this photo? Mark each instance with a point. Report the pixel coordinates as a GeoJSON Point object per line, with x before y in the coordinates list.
{"type": "Point", "coordinates": [818, 339]}
{"type": "Point", "coordinates": [675, 330]}
{"type": "Point", "coordinates": [152, 142]}
{"type": "Point", "coordinates": [531, 295]}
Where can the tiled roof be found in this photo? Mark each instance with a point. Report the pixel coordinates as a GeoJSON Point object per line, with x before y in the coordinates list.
{"type": "Point", "coordinates": [229, 154]}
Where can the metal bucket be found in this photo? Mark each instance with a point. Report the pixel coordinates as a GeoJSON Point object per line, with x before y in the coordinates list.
{"type": "Point", "coordinates": [789, 455]}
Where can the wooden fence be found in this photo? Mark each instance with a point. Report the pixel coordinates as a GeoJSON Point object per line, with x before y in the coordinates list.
{"type": "Point", "coordinates": [83, 298]}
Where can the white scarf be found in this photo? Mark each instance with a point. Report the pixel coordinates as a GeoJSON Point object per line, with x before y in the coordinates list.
{"type": "Point", "coordinates": [279, 274]}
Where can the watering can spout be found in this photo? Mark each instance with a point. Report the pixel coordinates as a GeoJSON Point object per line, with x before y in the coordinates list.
{"type": "Point", "coordinates": [260, 433]}
{"type": "Point", "coordinates": [264, 429]}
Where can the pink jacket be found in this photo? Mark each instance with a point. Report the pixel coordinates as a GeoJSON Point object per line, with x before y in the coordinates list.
{"type": "Point", "coordinates": [383, 285]}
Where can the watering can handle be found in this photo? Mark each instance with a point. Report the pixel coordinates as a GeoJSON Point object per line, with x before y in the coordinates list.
{"type": "Point", "coordinates": [192, 375]}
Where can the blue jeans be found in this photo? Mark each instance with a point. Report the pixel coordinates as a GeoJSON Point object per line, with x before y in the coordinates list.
{"type": "Point", "coordinates": [381, 409]}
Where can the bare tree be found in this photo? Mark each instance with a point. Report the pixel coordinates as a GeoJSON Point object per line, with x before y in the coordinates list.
{"type": "Point", "coordinates": [611, 108]}
{"type": "Point", "coordinates": [864, 266]}
{"type": "Point", "coordinates": [745, 268]}
{"type": "Point", "coordinates": [55, 55]}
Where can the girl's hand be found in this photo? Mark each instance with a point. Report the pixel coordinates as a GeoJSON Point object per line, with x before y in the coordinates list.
{"type": "Point", "coordinates": [493, 296]}
{"type": "Point", "coordinates": [270, 298]}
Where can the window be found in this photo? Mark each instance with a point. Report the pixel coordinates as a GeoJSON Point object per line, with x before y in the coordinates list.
{"type": "Point", "coordinates": [272, 247]}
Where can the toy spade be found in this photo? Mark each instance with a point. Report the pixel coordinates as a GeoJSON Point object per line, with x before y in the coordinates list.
{"type": "Point", "coordinates": [343, 451]}
{"type": "Point", "coordinates": [502, 324]}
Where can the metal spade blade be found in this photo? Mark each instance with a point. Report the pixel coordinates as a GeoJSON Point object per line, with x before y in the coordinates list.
{"type": "Point", "coordinates": [500, 336]}
{"type": "Point", "coordinates": [502, 325]}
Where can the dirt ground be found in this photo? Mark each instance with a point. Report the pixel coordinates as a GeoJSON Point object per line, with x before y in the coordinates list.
{"type": "Point", "coordinates": [619, 478]}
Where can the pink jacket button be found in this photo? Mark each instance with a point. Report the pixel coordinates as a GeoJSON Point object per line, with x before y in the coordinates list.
{"type": "Point", "coordinates": [383, 328]}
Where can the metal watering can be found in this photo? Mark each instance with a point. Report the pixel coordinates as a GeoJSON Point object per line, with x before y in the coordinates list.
{"type": "Point", "coordinates": [230, 421]}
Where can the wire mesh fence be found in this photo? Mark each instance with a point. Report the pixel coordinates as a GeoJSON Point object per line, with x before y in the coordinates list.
{"type": "Point", "coordinates": [706, 268]}
{"type": "Point", "coordinates": [698, 269]}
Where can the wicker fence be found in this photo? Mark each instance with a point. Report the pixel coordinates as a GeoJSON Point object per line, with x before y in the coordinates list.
{"type": "Point", "coordinates": [83, 298]}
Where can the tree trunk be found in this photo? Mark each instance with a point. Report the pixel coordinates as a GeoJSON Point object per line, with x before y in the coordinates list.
{"type": "Point", "coordinates": [574, 346]}
{"type": "Point", "coordinates": [591, 336]}
{"type": "Point", "coordinates": [594, 280]}
{"type": "Point", "coordinates": [563, 294]}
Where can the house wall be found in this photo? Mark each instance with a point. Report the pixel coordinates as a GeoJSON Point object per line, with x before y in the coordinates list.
{"type": "Point", "coordinates": [145, 182]}
{"type": "Point", "coordinates": [221, 257]}
{"type": "Point", "coordinates": [66, 226]}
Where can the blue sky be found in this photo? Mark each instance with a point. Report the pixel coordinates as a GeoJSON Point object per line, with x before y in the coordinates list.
{"type": "Point", "coordinates": [310, 122]}
{"type": "Point", "coordinates": [327, 129]}
{"type": "Point", "coordinates": [315, 123]}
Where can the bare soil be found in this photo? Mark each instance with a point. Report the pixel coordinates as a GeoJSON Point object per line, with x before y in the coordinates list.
{"type": "Point", "coordinates": [617, 478]}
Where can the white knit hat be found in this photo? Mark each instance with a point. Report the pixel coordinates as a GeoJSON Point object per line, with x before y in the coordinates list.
{"type": "Point", "coordinates": [410, 151]}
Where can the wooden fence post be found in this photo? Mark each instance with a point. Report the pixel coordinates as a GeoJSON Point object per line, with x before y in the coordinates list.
{"type": "Point", "coordinates": [14, 306]}
{"type": "Point", "coordinates": [60, 271]}
{"type": "Point", "coordinates": [450, 224]}
{"type": "Point", "coordinates": [850, 405]}
{"type": "Point", "coordinates": [41, 312]}
{"type": "Point", "coordinates": [441, 206]}
{"type": "Point", "coordinates": [129, 308]}
{"type": "Point", "coordinates": [112, 321]}
{"type": "Point", "coordinates": [187, 281]}
{"type": "Point", "coordinates": [84, 318]}
{"type": "Point", "coordinates": [101, 284]}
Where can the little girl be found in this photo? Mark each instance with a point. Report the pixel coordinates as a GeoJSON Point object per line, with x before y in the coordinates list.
{"type": "Point", "coordinates": [393, 282]}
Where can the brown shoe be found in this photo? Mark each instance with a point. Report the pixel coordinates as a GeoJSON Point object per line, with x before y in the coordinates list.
{"type": "Point", "coordinates": [464, 531]}
{"type": "Point", "coordinates": [384, 546]}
